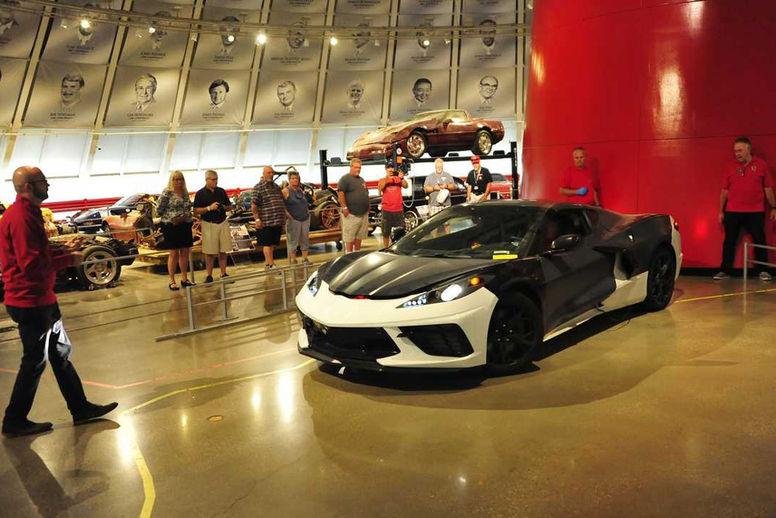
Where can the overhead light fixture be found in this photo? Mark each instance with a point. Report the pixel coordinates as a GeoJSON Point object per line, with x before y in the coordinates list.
{"type": "Point", "coordinates": [333, 41]}
{"type": "Point", "coordinates": [261, 39]}
{"type": "Point", "coordinates": [425, 43]}
{"type": "Point", "coordinates": [64, 23]}
{"type": "Point", "coordinates": [377, 43]}
{"type": "Point", "coordinates": [230, 38]}
{"type": "Point", "coordinates": [85, 23]}
{"type": "Point", "coordinates": [447, 41]}
{"type": "Point", "coordinates": [151, 29]}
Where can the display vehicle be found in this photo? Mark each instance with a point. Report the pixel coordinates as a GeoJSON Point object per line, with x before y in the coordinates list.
{"type": "Point", "coordinates": [433, 132]}
{"type": "Point", "coordinates": [485, 284]}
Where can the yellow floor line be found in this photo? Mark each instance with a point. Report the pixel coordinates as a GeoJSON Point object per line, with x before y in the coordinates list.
{"type": "Point", "coordinates": [709, 297]}
{"type": "Point", "coordinates": [145, 474]}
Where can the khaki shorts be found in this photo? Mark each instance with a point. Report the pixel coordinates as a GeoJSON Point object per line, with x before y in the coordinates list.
{"type": "Point", "coordinates": [216, 238]}
{"type": "Point", "coordinates": [355, 227]}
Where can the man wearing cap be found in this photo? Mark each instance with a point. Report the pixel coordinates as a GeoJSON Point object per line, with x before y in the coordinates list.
{"type": "Point", "coordinates": [580, 183]}
{"type": "Point", "coordinates": [478, 182]}
{"type": "Point", "coordinates": [393, 210]}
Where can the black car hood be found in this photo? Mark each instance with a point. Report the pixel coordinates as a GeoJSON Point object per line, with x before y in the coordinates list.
{"type": "Point", "coordinates": [382, 275]}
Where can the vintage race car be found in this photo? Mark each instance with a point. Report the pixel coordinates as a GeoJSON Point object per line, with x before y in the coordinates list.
{"type": "Point", "coordinates": [485, 284]}
{"type": "Point", "coordinates": [433, 132]}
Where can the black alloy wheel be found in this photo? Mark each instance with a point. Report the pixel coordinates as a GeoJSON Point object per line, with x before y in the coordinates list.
{"type": "Point", "coordinates": [660, 279]}
{"type": "Point", "coordinates": [514, 333]}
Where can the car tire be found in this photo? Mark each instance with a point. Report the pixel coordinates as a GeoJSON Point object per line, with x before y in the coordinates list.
{"type": "Point", "coordinates": [411, 220]}
{"type": "Point", "coordinates": [329, 216]}
{"type": "Point", "coordinates": [100, 274]}
{"type": "Point", "coordinates": [660, 279]}
{"type": "Point", "coordinates": [483, 142]}
{"type": "Point", "coordinates": [416, 145]}
{"type": "Point", "coordinates": [515, 331]}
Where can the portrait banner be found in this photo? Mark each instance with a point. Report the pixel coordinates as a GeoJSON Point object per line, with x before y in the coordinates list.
{"type": "Point", "coordinates": [230, 49]}
{"type": "Point", "coordinates": [487, 50]}
{"type": "Point", "coordinates": [425, 6]}
{"type": "Point", "coordinates": [425, 50]}
{"type": "Point", "coordinates": [285, 97]}
{"type": "Point", "coordinates": [17, 30]}
{"type": "Point", "coordinates": [363, 6]}
{"type": "Point", "coordinates": [492, 6]}
{"type": "Point", "coordinates": [161, 48]}
{"type": "Point", "coordinates": [294, 52]}
{"type": "Point", "coordinates": [142, 97]}
{"type": "Point", "coordinates": [70, 41]}
{"type": "Point", "coordinates": [358, 52]}
{"type": "Point", "coordinates": [215, 97]}
{"type": "Point", "coordinates": [298, 6]}
{"type": "Point", "coordinates": [419, 92]}
{"type": "Point", "coordinates": [487, 92]}
{"type": "Point", "coordinates": [65, 95]}
{"type": "Point", "coordinates": [245, 5]}
{"type": "Point", "coordinates": [353, 97]}
{"type": "Point", "coordinates": [11, 79]}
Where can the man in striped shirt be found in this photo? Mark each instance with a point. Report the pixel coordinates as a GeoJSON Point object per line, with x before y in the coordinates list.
{"type": "Point", "coordinates": [269, 212]}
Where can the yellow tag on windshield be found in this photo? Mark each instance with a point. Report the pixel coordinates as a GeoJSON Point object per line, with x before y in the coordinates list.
{"type": "Point", "coordinates": [497, 257]}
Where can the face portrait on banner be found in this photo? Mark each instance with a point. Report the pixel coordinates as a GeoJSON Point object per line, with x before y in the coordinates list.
{"type": "Point", "coordinates": [160, 48]}
{"type": "Point", "coordinates": [488, 50]}
{"type": "Point", "coordinates": [353, 97]}
{"type": "Point", "coordinates": [215, 98]}
{"type": "Point", "coordinates": [287, 97]}
{"type": "Point", "coordinates": [65, 95]}
{"type": "Point", "coordinates": [487, 92]}
{"type": "Point", "coordinates": [426, 6]}
{"type": "Point", "coordinates": [11, 78]}
{"type": "Point", "coordinates": [363, 6]}
{"type": "Point", "coordinates": [420, 92]}
{"type": "Point", "coordinates": [359, 52]}
{"type": "Point", "coordinates": [229, 49]}
{"type": "Point", "coordinates": [496, 6]}
{"type": "Point", "coordinates": [296, 51]}
{"type": "Point", "coordinates": [426, 51]}
{"type": "Point", "coordinates": [299, 6]}
{"type": "Point", "coordinates": [17, 29]}
{"type": "Point", "coordinates": [142, 97]}
{"type": "Point", "coordinates": [74, 41]}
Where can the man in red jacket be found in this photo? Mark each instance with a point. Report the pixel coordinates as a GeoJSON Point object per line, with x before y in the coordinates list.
{"type": "Point", "coordinates": [29, 271]}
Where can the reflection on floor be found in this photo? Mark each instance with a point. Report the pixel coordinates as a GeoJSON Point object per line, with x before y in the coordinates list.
{"type": "Point", "coordinates": [667, 414]}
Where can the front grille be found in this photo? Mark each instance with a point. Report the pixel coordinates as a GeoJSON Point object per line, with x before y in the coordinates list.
{"type": "Point", "coordinates": [357, 343]}
{"type": "Point", "coordinates": [439, 340]}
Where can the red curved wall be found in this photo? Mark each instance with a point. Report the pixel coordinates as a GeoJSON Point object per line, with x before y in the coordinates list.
{"type": "Point", "coordinates": [656, 91]}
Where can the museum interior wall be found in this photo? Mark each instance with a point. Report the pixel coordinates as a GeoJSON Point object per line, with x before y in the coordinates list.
{"type": "Point", "coordinates": [107, 108]}
{"type": "Point", "coordinates": [656, 91]}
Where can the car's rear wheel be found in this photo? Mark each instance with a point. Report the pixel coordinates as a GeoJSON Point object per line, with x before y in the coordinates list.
{"type": "Point", "coordinates": [416, 145]}
{"type": "Point", "coordinates": [411, 219]}
{"type": "Point", "coordinates": [483, 142]}
{"type": "Point", "coordinates": [330, 216]}
{"type": "Point", "coordinates": [514, 333]}
{"type": "Point", "coordinates": [98, 274]}
{"type": "Point", "coordinates": [660, 279]}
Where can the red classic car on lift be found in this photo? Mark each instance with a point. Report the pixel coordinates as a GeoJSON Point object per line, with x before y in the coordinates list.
{"type": "Point", "coordinates": [433, 132]}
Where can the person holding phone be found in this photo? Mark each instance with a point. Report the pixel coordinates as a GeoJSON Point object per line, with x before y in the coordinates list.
{"type": "Point", "coordinates": [174, 208]}
{"type": "Point", "coordinates": [211, 203]}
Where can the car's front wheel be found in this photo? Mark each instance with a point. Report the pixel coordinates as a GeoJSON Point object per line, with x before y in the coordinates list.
{"type": "Point", "coordinates": [514, 333]}
{"type": "Point", "coordinates": [660, 279]}
{"type": "Point", "coordinates": [416, 145]}
{"type": "Point", "coordinates": [102, 273]}
{"type": "Point", "coordinates": [483, 143]}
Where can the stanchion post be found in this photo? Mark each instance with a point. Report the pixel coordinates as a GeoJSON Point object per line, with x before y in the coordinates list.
{"type": "Point", "coordinates": [283, 287]}
{"type": "Point", "coordinates": [190, 308]}
{"type": "Point", "coordinates": [223, 297]}
{"type": "Point", "coordinates": [746, 262]}
{"type": "Point", "coordinates": [191, 264]}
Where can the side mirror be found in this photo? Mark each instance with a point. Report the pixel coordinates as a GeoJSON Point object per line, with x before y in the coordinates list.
{"type": "Point", "coordinates": [397, 233]}
{"type": "Point", "coordinates": [565, 242]}
{"type": "Point", "coordinates": [447, 121]}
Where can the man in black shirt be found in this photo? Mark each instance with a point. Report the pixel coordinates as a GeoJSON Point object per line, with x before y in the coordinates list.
{"type": "Point", "coordinates": [478, 182]}
{"type": "Point", "coordinates": [211, 203]}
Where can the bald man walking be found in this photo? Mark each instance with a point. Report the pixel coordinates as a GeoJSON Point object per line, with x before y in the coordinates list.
{"type": "Point", "coordinates": [29, 271]}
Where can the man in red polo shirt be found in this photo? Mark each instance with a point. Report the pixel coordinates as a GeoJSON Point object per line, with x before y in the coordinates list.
{"type": "Point", "coordinates": [742, 205]}
{"type": "Point", "coordinates": [580, 184]}
{"type": "Point", "coordinates": [29, 271]}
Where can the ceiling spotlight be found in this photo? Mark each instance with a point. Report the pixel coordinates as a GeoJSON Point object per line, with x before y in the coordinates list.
{"type": "Point", "coordinates": [64, 23]}
{"type": "Point", "coordinates": [230, 38]}
{"type": "Point", "coordinates": [261, 39]}
{"type": "Point", "coordinates": [151, 29]}
{"type": "Point", "coordinates": [447, 41]}
{"type": "Point", "coordinates": [85, 23]}
{"type": "Point", "coordinates": [425, 43]}
{"type": "Point", "coordinates": [333, 40]}
{"type": "Point", "coordinates": [377, 43]}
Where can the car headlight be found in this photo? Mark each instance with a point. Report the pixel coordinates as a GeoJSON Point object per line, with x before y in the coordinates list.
{"type": "Point", "coordinates": [447, 292]}
{"type": "Point", "coordinates": [314, 283]}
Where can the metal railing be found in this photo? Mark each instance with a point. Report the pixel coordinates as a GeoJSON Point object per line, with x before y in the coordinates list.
{"type": "Point", "coordinates": [748, 245]}
{"type": "Point", "coordinates": [288, 280]}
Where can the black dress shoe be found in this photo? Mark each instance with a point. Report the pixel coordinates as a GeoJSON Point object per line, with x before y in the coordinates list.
{"type": "Point", "coordinates": [92, 411]}
{"type": "Point", "coordinates": [26, 427]}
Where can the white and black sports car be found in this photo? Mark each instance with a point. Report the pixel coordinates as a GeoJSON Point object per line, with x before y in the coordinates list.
{"type": "Point", "coordinates": [485, 284]}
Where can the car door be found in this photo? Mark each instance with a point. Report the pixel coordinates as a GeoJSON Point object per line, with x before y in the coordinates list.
{"type": "Point", "coordinates": [575, 280]}
{"type": "Point", "coordinates": [457, 131]}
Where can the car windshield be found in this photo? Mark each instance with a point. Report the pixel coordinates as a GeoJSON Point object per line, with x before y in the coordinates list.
{"type": "Point", "coordinates": [427, 115]}
{"type": "Point", "coordinates": [472, 231]}
{"type": "Point", "coordinates": [132, 199]}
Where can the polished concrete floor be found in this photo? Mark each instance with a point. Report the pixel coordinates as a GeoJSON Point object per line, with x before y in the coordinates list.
{"type": "Point", "coordinates": [664, 414]}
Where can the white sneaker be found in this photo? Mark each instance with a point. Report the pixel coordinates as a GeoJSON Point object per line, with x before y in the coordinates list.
{"type": "Point", "coordinates": [719, 276]}
{"type": "Point", "coordinates": [765, 276]}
